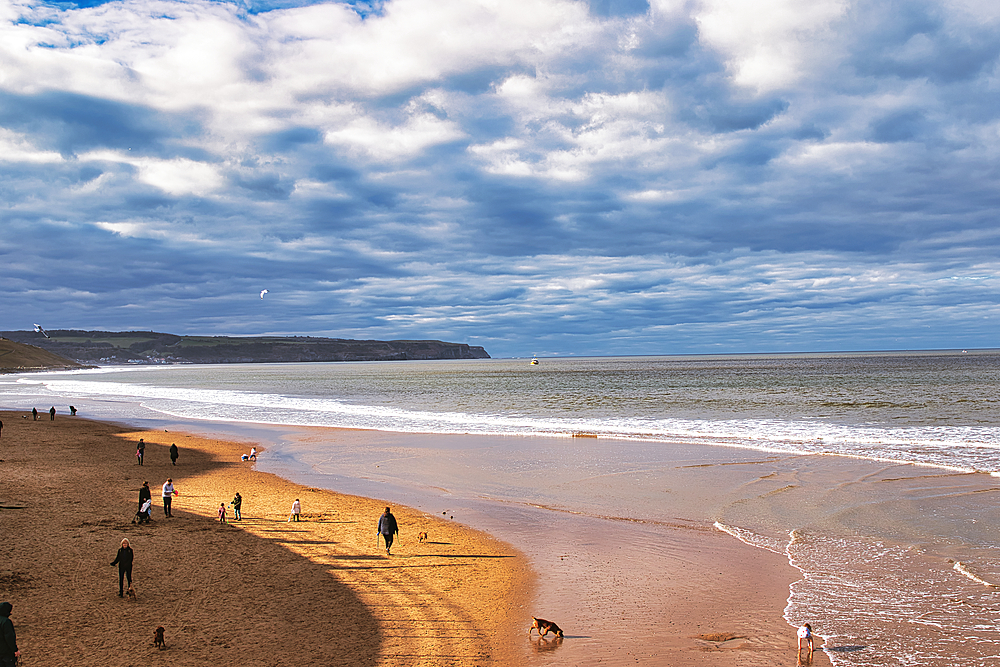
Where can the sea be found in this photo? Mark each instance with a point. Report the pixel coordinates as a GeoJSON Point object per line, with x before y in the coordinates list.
{"type": "Point", "coordinates": [877, 475]}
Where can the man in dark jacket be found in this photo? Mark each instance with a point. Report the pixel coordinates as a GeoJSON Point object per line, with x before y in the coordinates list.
{"type": "Point", "coordinates": [8, 640]}
{"type": "Point", "coordinates": [387, 527]}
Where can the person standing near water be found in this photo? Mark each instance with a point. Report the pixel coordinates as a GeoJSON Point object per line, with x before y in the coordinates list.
{"type": "Point", "coordinates": [387, 528]}
{"type": "Point", "coordinates": [173, 453]}
{"type": "Point", "coordinates": [140, 451]}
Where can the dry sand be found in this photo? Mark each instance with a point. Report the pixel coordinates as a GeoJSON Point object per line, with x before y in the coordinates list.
{"type": "Point", "coordinates": [263, 591]}
{"type": "Point", "coordinates": [266, 591]}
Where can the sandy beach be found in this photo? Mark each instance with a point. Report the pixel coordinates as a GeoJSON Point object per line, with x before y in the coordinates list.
{"type": "Point", "coordinates": [266, 591]}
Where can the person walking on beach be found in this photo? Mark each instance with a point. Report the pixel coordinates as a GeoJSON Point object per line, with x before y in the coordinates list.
{"type": "Point", "coordinates": [805, 636]}
{"type": "Point", "coordinates": [173, 454]}
{"type": "Point", "coordinates": [9, 654]}
{"type": "Point", "coordinates": [145, 503]}
{"type": "Point", "coordinates": [1, 427]}
{"type": "Point", "coordinates": [168, 494]}
{"type": "Point", "coordinates": [124, 562]}
{"type": "Point", "coordinates": [222, 512]}
{"type": "Point", "coordinates": [253, 453]}
{"type": "Point", "coordinates": [237, 504]}
{"type": "Point", "coordinates": [387, 528]}
{"type": "Point", "coordinates": [140, 450]}
{"type": "Point", "coordinates": [52, 413]}
{"type": "Point", "coordinates": [72, 411]}
{"type": "Point", "coordinates": [34, 414]}
{"type": "Point", "coordinates": [296, 510]}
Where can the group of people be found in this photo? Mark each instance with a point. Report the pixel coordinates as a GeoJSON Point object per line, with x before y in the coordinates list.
{"type": "Point", "coordinates": [145, 512]}
{"type": "Point", "coordinates": [140, 452]}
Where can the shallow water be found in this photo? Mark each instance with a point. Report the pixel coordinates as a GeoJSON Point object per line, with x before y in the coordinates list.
{"type": "Point", "coordinates": [876, 538]}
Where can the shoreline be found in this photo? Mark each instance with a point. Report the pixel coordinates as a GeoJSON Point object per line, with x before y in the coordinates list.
{"type": "Point", "coordinates": [607, 582]}
{"type": "Point", "coordinates": [712, 599]}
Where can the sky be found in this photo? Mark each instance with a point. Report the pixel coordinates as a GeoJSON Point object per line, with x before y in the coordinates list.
{"type": "Point", "coordinates": [539, 177]}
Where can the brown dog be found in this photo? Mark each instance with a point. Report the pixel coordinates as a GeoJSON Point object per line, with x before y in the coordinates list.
{"type": "Point", "coordinates": [544, 627]}
{"type": "Point", "coordinates": [130, 592]}
{"type": "Point", "coordinates": [158, 638]}
{"type": "Point", "coordinates": [421, 537]}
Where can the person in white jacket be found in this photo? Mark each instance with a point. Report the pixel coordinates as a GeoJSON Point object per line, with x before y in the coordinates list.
{"type": "Point", "coordinates": [168, 494]}
{"type": "Point", "coordinates": [296, 510]}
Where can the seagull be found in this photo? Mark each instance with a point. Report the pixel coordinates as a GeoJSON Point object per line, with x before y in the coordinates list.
{"type": "Point", "coordinates": [39, 329]}
{"type": "Point", "coordinates": [262, 293]}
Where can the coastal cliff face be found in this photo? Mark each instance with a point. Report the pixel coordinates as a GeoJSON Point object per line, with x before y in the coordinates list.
{"type": "Point", "coordinates": [19, 357]}
{"type": "Point", "coordinates": [146, 347]}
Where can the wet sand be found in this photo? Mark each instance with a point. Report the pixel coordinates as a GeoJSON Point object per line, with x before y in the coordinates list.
{"type": "Point", "coordinates": [267, 591]}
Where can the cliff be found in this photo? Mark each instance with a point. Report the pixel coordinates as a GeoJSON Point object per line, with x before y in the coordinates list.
{"type": "Point", "coordinates": [145, 347]}
{"type": "Point", "coordinates": [19, 357]}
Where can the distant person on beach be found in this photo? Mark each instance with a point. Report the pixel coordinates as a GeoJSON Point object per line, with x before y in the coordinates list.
{"type": "Point", "coordinates": [140, 451]}
{"type": "Point", "coordinates": [237, 504]}
{"type": "Point", "coordinates": [222, 512]}
{"type": "Point", "coordinates": [34, 414]}
{"type": "Point", "coordinates": [805, 638]}
{"type": "Point", "coordinates": [168, 494]}
{"type": "Point", "coordinates": [296, 510]}
{"type": "Point", "coordinates": [387, 528]}
{"type": "Point", "coordinates": [52, 413]}
{"type": "Point", "coordinates": [9, 654]}
{"type": "Point", "coordinates": [253, 453]}
{"type": "Point", "coordinates": [124, 562]}
{"type": "Point", "coordinates": [72, 411]}
{"type": "Point", "coordinates": [145, 501]}
{"type": "Point", "coordinates": [1, 427]}
{"type": "Point", "coordinates": [173, 454]}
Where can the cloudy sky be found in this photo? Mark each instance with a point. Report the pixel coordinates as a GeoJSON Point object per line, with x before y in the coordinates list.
{"type": "Point", "coordinates": [534, 176]}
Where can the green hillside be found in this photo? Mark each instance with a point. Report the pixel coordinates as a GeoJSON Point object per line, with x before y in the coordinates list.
{"type": "Point", "coordinates": [20, 357]}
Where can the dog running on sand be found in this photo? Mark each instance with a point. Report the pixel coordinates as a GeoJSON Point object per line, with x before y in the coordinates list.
{"type": "Point", "coordinates": [158, 638]}
{"type": "Point", "coordinates": [421, 537]}
{"type": "Point", "coordinates": [544, 627]}
{"type": "Point", "coordinates": [130, 592]}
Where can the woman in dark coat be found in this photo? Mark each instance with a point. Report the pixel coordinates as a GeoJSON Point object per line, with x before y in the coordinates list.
{"type": "Point", "coordinates": [124, 562]}
{"type": "Point", "coordinates": [173, 453]}
{"type": "Point", "coordinates": [144, 495]}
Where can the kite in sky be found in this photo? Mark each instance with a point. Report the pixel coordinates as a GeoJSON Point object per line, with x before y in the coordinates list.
{"type": "Point", "coordinates": [39, 329]}
{"type": "Point", "coordinates": [262, 293]}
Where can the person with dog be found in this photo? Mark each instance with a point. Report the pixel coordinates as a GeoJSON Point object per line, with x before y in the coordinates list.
{"type": "Point", "coordinates": [387, 528]}
{"type": "Point", "coordinates": [145, 503]}
{"type": "Point", "coordinates": [124, 562]}
{"type": "Point", "coordinates": [237, 504]}
{"type": "Point", "coordinates": [9, 653]}
{"type": "Point", "coordinates": [173, 454]}
{"type": "Point", "coordinates": [168, 494]}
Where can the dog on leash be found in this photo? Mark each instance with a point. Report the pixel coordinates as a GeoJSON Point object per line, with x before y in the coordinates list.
{"type": "Point", "coordinates": [130, 592]}
{"type": "Point", "coordinates": [158, 638]}
{"type": "Point", "coordinates": [421, 537]}
{"type": "Point", "coordinates": [544, 627]}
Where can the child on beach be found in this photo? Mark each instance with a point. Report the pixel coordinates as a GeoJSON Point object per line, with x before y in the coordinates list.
{"type": "Point", "coordinates": [222, 512]}
{"type": "Point", "coordinates": [805, 637]}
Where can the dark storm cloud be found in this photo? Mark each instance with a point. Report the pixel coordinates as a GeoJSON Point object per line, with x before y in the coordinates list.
{"type": "Point", "coordinates": [598, 177]}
